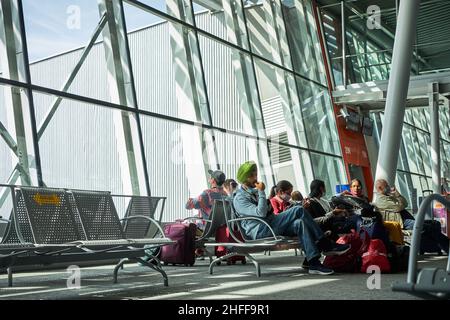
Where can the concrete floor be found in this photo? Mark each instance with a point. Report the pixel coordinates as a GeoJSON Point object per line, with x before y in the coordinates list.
{"type": "Point", "coordinates": [282, 279]}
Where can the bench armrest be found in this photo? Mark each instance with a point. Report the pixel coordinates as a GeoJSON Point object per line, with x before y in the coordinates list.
{"type": "Point", "coordinates": [148, 218]}
{"type": "Point", "coordinates": [197, 218]}
{"type": "Point", "coordinates": [259, 220]}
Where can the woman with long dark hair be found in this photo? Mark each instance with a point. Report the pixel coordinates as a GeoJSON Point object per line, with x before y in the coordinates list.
{"type": "Point", "coordinates": [280, 196]}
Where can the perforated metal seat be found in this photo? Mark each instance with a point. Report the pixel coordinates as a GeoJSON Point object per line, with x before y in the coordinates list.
{"type": "Point", "coordinates": [48, 225]}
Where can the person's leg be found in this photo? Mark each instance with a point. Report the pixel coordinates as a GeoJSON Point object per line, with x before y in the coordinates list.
{"type": "Point", "coordinates": [294, 222]}
{"type": "Point", "coordinates": [408, 224]}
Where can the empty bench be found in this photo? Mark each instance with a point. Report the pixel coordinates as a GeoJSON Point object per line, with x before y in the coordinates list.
{"type": "Point", "coordinates": [50, 226]}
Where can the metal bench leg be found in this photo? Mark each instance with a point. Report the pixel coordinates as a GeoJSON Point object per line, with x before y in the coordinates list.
{"type": "Point", "coordinates": [117, 267]}
{"type": "Point", "coordinates": [296, 253]}
{"type": "Point", "coordinates": [157, 268]}
{"type": "Point", "coordinates": [256, 263]}
{"type": "Point", "coordinates": [10, 277]}
{"type": "Point", "coordinates": [219, 259]}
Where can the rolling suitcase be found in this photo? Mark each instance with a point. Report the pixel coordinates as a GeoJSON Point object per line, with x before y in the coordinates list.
{"type": "Point", "coordinates": [433, 241]}
{"type": "Point", "coordinates": [223, 235]}
{"type": "Point", "coordinates": [183, 251]}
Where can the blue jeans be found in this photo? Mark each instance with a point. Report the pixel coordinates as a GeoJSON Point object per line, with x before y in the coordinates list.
{"type": "Point", "coordinates": [296, 222]}
{"type": "Point", "coordinates": [408, 224]}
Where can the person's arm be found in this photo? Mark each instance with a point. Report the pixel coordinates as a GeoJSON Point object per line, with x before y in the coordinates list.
{"type": "Point", "coordinates": [199, 203]}
{"type": "Point", "coordinates": [245, 207]}
{"type": "Point", "coordinates": [402, 202]}
{"type": "Point", "coordinates": [324, 219]}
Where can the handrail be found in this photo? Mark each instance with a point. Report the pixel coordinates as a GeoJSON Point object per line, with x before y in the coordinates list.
{"type": "Point", "coordinates": [147, 218]}
{"type": "Point", "coordinates": [417, 234]}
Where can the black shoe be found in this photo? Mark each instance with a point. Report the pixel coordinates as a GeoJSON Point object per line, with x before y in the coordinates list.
{"type": "Point", "coordinates": [305, 264]}
{"type": "Point", "coordinates": [319, 269]}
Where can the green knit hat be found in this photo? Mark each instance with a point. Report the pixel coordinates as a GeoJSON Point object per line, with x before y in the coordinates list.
{"type": "Point", "coordinates": [245, 170]}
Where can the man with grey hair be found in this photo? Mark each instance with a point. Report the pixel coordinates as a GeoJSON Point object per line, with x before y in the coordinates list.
{"type": "Point", "coordinates": [390, 199]}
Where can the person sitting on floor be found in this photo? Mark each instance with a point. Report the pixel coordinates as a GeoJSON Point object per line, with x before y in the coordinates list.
{"type": "Point", "coordinates": [280, 196]}
{"type": "Point", "coordinates": [250, 201]}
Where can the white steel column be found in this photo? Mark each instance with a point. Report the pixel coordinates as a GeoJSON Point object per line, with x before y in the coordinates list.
{"type": "Point", "coordinates": [397, 90]}
{"type": "Point", "coordinates": [121, 89]}
{"type": "Point", "coordinates": [246, 88]}
{"type": "Point", "coordinates": [433, 97]}
{"type": "Point", "coordinates": [18, 115]}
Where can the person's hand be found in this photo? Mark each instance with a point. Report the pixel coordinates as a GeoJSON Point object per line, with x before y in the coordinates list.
{"type": "Point", "coordinates": [260, 186]}
{"type": "Point", "coordinates": [306, 203]}
{"type": "Point", "coordinates": [339, 212]}
{"type": "Point", "coordinates": [346, 193]}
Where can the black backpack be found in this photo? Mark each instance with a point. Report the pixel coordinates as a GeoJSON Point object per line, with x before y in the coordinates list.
{"type": "Point", "coordinates": [354, 204]}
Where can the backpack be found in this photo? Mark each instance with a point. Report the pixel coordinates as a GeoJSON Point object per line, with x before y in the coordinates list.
{"type": "Point", "coordinates": [374, 227]}
{"type": "Point", "coordinates": [353, 204]}
{"type": "Point", "coordinates": [351, 260]}
{"type": "Point", "coordinates": [376, 255]}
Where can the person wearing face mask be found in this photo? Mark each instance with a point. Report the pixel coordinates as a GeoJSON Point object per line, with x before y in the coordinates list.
{"type": "Point", "coordinates": [280, 196]}
{"type": "Point", "coordinates": [250, 201]}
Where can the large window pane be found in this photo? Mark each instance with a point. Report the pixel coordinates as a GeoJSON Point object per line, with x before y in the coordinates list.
{"type": "Point", "coordinates": [330, 170]}
{"type": "Point", "coordinates": [174, 162]}
{"type": "Point", "coordinates": [57, 34]}
{"type": "Point", "coordinates": [318, 117]}
{"type": "Point", "coordinates": [280, 104]}
{"type": "Point", "coordinates": [79, 146]}
{"type": "Point", "coordinates": [227, 85]}
{"type": "Point", "coordinates": [303, 39]}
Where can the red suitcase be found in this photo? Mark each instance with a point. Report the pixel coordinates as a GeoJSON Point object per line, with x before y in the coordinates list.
{"type": "Point", "coordinates": [223, 235]}
{"type": "Point", "coordinates": [183, 251]}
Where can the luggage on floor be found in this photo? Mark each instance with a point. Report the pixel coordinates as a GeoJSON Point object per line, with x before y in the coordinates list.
{"type": "Point", "coordinates": [398, 257]}
{"type": "Point", "coordinates": [433, 241]}
{"type": "Point", "coordinates": [395, 232]}
{"type": "Point", "coordinates": [376, 255]}
{"type": "Point", "coordinates": [183, 251]}
{"type": "Point", "coordinates": [351, 260]}
{"type": "Point", "coordinates": [223, 235]}
{"type": "Point", "coordinates": [374, 227]}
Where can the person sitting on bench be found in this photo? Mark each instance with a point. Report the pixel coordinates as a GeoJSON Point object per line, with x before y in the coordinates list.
{"type": "Point", "coordinates": [280, 196]}
{"type": "Point", "coordinates": [388, 198]}
{"type": "Point", "coordinates": [250, 201]}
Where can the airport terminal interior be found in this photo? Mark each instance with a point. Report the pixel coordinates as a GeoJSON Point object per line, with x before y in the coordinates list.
{"type": "Point", "coordinates": [117, 115]}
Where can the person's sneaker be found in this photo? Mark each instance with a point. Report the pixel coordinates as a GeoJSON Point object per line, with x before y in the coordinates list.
{"type": "Point", "coordinates": [305, 264]}
{"type": "Point", "coordinates": [335, 249]}
{"type": "Point", "coordinates": [320, 269]}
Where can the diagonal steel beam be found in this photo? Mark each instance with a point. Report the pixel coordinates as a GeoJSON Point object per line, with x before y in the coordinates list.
{"type": "Point", "coordinates": [8, 138]}
{"type": "Point", "coordinates": [73, 74]}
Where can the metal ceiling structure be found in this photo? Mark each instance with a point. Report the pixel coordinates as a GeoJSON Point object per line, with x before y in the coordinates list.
{"type": "Point", "coordinates": [371, 96]}
{"type": "Point", "coordinates": [433, 28]}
